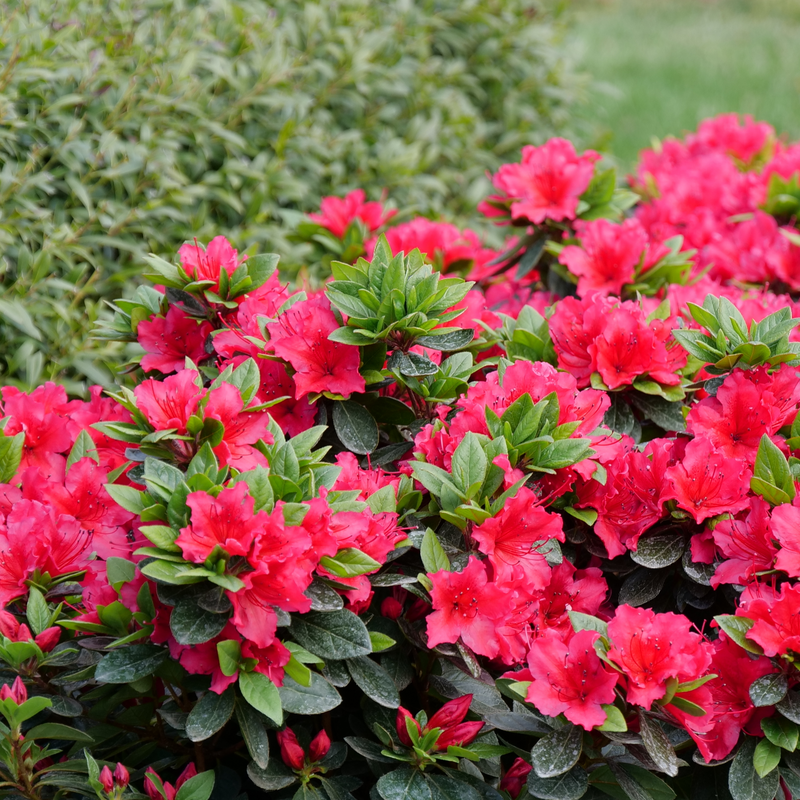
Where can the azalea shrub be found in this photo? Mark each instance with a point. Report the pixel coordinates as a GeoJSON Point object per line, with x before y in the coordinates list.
{"type": "Point", "coordinates": [444, 521]}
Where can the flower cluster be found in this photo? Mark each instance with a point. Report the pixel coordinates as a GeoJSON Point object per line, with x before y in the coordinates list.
{"type": "Point", "coordinates": [546, 497]}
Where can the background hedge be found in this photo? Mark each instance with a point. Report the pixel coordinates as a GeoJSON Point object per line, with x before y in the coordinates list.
{"type": "Point", "coordinates": [129, 126]}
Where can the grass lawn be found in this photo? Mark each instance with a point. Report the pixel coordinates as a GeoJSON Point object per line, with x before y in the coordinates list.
{"type": "Point", "coordinates": [663, 65]}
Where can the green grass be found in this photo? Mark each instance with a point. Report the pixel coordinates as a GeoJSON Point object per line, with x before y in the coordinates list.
{"type": "Point", "coordinates": [661, 66]}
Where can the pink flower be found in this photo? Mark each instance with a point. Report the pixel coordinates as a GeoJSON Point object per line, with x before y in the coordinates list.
{"type": "Point", "coordinates": [300, 336]}
{"type": "Point", "coordinates": [339, 212]}
{"type": "Point", "coordinates": [569, 678]}
{"type": "Point", "coordinates": [170, 340]}
{"type": "Point", "coordinates": [169, 403]}
{"type": "Point", "coordinates": [206, 264]}
{"type": "Point", "coordinates": [547, 183]}
{"type": "Point", "coordinates": [607, 256]}
{"type": "Point", "coordinates": [466, 606]}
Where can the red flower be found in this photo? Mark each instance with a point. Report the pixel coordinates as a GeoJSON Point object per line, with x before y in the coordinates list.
{"type": "Point", "coordinates": [206, 264]}
{"type": "Point", "coordinates": [570, 679]}
{"type": "Point", "coordinates": [777, 621]}
{"type": "Point", "coordinates": [466, 606]}
{"type": "Point", "coordinates": [786, 529]}
{"type": "Point", "coordinates": [746, 544]}
{"type": "Point", "coordinates": [300, 336]}
{"type": "Point", "coordinates": [651, 648]}
{"type": "Point", "coordinates": [510, 539]}
{"type": "Point", "coordinates": [730, 709]}
{"type": "Point", "coordinates": [574, 326]}
{"type": "Point", "coordinates": [339, 212]}
{"type": "Point", "coordinates": [170, 340]}
{"type": "Point", "coordinates": [706, 483]}
{"type": "Point", "coordinates": [37, 539]}
{"type": "Point", "coordinates": [41, 415]}
{"type": "Point", "coordinates": [169, 403]}
{"type": "Point", "coordinates": [735, 420]}
{"type": "Point", "coordinates": [226, 521]}
{"type": "Point", "coordinates": [607, 256]}
{"type": "Point", "coordinates": [242, 428]}
{"type": "Point", "coordinates": [625, 349]}
{"type": "Point", "coordinates": [16, 692]}
{"type": "Point", "coordinates": [82, 495]}
{"type": "Point", "coordinates": [546, 184]}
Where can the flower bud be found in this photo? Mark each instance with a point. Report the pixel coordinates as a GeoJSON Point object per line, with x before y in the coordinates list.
{"type": "Point", "coordinates": [150, 788]}
{"type": "Point", "coordinates": [459, 735]}
{"type": "Point", "coordinates": [514, 780]}
{"type": "Point", "coordinates": [48, 638]}
{"type": "Point", "coordinates": [450, 713]}
{"type": "Point", "coordinates": [17, 691]}
{"type": "Point", "coordinates": [107, 780]}
{"type": "Point", "coordinates": [319, 746]}
{"type": "Point", "coordinates": [292, 754]}
{"type": "Point", "coordinates": [391, 608]}
{"type": "Point", "coordinates": [121, 775]}
{"type": "Point", "coordinates": [400, 723]}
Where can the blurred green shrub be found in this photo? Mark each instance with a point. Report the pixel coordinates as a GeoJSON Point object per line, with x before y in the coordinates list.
{"type": "Point", "coordinates": [129, 126]}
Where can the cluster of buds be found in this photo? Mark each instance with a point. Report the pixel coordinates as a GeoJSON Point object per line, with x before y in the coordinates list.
{"type": "Point", "coordinates": [444, 729]}
{"type": "Point", "coordinates": [156, 789]}
{"type": "Point", "coordinates": [114, 783]}
{"type": "Point", "coordinates": [305, 764]}
{"type": "Point", "coordinates": [515, 778]}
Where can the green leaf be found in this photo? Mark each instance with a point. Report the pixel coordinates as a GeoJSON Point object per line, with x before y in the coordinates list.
{"type": "Point", "coordinates": [254, 733]}
{"type": "Point", "coordinates": [197, 788]}
{"type": "Point", "coordinates": [736, 628]}
{"type": "Point", "coordinates": [10, 455]}
{"type": "Point", "coordinates": [128, 664]}
{"type": "Point", "coordinates": [655, 552]}
{"type": "Point", "coordinates": [744, 782]}
{"type": "Point", "coordinates": [260, 268]}
{"type": "Point", "coordinates": [615, 721]}
{"type": "Point", "coordinates": [229, 653]}
{"type": "Point", "coordinates": [262, 694]}
{"type": "Point", "coordinates": [571, 785]}
{"type": "Point", "coordinates": [558, 752]}
{"type": "Point", "coordinates": [789, 707]}
{"type": "Point", "coordinates": [432, 553]}
{"type": "Point", "coordinates": [469, 465]}
{"type": "Point", "coordinates": [586, 622]}
{"type": "Point", "coordinates": [769, 689]}
{"type": "Point", "coordinates": [766, 757]}
{"type": "Point", "coordinates": [211, 712]}
{"type": "Point", "coordinates": [120, 571]}
{"type": "Point", "coordinates": [657, 744]}
{"type": "Point", "coordinates": [355, 427]}
{"type": "Point", "coordinates": [374, 681]}
{"type": "Point", "coordinates": [781, 732]}
{"type": "Point", "coordinates": [411, 365]}
{"type": "Point", "coordinates": [663, 413]}
{"type": "Point", "coordinates": [191, 624]}
{"type": "Point", "coordinates": [84, 447]}
{"type": "Point", "coordinates": [271, 778]}
{"type": "Point", "coordinates": [447, 342]}
{"type": "Point", "coordinates": [350, 562]}
{"type": "Point", "coordinates": [333, 634]}
{"type": "Point", "coordinates": [37, 612]}
{"type": "Point", "coordinates": [772, 467]}
{"type": "Point", "coordinates": [55, 730]}
{"type": "Point", "coordinates": [317, 698]}
{"type": "Point", "coordinates": [127, 497]}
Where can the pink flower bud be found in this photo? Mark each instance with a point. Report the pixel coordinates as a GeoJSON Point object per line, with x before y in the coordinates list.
{"type": "Point", "coordinates": [107, 780]}
{"type": "Point", "coordinates": [459, 735]}
{"type": "Point", "coordinates": [189, 771]}
{"type": "Point", "coordinates": [121, 776]}
{"type": "Point", "coordinates": [48, 638]}
{"type": "Point", "coordinates": [319, 747]}
{"type": "Point", "coordinates": [450, 713]}
{"type": "Point", "coordinates": [292, 754]}
{"type": "Point", "coordinates": [513, 781]}
{"type": "Point", "coordinates": [391, 608]}
{"type": "Point", "coordinates": [400, 723]}
{"type": "Point", "coordinates": [17, 691]}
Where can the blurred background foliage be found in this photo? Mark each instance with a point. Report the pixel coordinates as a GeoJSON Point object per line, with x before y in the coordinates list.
{"type": "Point", "coordinates": [661, 66]}
{"type": "Point", "coordinates": [130, 126]}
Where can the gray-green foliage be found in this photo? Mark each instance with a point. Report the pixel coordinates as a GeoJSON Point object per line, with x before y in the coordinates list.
{"type": "Point", "coordinates": [129, 126]}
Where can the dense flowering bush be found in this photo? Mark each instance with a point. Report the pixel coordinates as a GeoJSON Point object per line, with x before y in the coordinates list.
{"type": "Point", "coordinates": [450, 523]}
